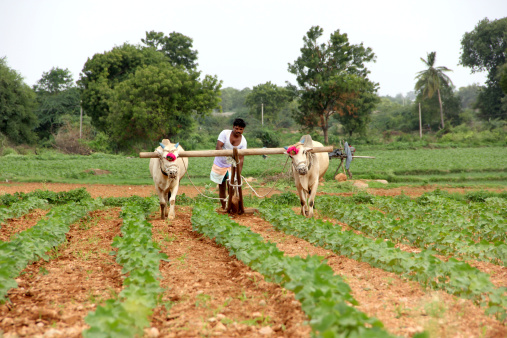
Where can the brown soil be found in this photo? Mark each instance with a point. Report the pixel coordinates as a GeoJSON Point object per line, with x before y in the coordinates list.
{"type": "Point", "coordinates": [207, 292]}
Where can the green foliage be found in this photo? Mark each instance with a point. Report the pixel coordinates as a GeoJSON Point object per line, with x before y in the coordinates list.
{"type": "Point", "coordinates": [324, 296]}
{"type": "Point", "coordinates": [332, 78]}
{"type": "Point", "coordinates": [32, 244]}
{"type": "Point", "coordinates": [268, 99]}
{"type": "Point", "coordinates": [455, 277]}
{"type": "Point", "coordinates": [19, 208]}
{"type": "Point", "coordinates": [233, 100]}
{"type": "Point", "coordinates": [176, 47]}
{"type": "Point", "coordinates": [159, 101]}
{"type": "Point", "coordinates": [52, 197]}
{"type": "Point", "coordinates": [104, 71]}
{"type": "Point", "coordinates": [483, 49]}
{"type": "Point", "coordinates": [128, 315]}
{"type": "Point", "coordinates": [269, 138]}
{"type": "Point", "coordinates": [17, 102]}
{"type": "Point", "coordinates": [57, 96]}
{"type": "Point", "coordinates": [431, 81]}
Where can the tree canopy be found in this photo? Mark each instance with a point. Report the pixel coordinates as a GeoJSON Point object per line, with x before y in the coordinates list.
{"type": "Point", "coordinates": [176, 47]}
{"type": "Point", "coordinates": [159, 102]}
{"type": "Point", "coordinates": [485, 49]}
{"type": "Point", "coordinates": [332, 79]}
{"type": "Point", "coordinates": [273, 99]}
{"type": "Point", "coordinates": [126, 87]}
{"type": "Point", "coordinates": [431, 80]}
{"type": "Point", "coordinates": [57, 96]}
{"type": "Point", "coordinates": [17, 102]}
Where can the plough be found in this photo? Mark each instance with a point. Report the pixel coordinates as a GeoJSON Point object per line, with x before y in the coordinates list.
{"type": "Point", "coordinates": [345, 153]}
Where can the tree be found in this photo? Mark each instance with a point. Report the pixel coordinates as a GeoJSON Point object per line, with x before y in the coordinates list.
{"type": "Point", "coordinates": [332, 78]}
{"type": "Point", "coordinates": [272, 98]}
{"type": "Point", "coordinates": [104, 71]}
{"type": "Point", "coordinates": [485, 49]}
{"type": "Point", "coordinates": [55, 81]}
{"type": "Point", "coordinates": [469, 94]}
{"type": "Point", "coordinates": [17, 102]}
{"type": "Point", "coordinates": [57, 96]}
{"type": "Point", "coordinates": [176, 47]}
{"type": "Point", "coordinates": [431, 80]}
{"type": "Point", "coordinates": [159, 101]}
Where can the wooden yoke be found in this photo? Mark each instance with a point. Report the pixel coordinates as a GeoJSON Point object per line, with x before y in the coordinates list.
{"type": "Point", "coordinates": [235, 205]}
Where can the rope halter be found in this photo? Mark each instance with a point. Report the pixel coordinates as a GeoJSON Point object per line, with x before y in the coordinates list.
{"type": "Point", "coordinates": [168, 165]}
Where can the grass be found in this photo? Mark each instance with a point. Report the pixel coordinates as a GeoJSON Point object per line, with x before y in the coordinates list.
{"type": "Point", "coordinates": [485, 166]}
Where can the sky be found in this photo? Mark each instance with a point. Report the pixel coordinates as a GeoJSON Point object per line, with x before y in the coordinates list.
{"type": "Point", "coordinates": [246, 43]}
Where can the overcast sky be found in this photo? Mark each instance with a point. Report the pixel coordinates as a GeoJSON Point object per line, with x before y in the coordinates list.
{"type": "Point", "coordinates": [245, 43]}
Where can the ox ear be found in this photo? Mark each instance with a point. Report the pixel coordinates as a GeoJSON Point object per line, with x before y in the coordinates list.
{"type": "Point", "coordinates": [176, 145]}
{"type": "Point", "coordinates": [162, 145]}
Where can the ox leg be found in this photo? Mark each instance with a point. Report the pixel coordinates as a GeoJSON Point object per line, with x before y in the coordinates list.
{"type": "Point", "coordinates": [163, 204]}
{"type": "Point", "coordinates": [172, 201]}
{"type": "Point", "coordinates": [311, 199]}
{"type": "Point", "coordinates": [302, 199]}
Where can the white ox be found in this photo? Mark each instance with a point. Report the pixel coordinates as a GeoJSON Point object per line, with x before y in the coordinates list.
{"type": "Point", "coordinates": [167, 175]}
{"type": "Point", "coordinates": [307, 168]}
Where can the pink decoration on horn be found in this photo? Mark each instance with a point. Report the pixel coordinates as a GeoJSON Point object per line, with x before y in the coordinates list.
{"type": "Point", "coordinates": [292, 150]}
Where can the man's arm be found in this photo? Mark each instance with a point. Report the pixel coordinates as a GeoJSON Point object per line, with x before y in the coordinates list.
{"type": "Point", "coordinates": [219, 146]}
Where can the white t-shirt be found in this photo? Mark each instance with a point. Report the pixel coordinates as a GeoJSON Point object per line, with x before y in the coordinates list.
{"type": "Point", "coordinates": [224, 137]}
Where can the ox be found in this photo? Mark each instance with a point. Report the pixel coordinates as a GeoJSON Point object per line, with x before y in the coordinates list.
{"type": "Point", "coordinates": [307, 168]}
{"type": "Point", "coordinates": [167, 170]}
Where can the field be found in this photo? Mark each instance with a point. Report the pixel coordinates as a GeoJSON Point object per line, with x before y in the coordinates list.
{"type": "Point", "coordinates": [395, 260]}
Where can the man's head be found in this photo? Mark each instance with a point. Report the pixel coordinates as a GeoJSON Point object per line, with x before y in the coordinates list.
{"type": "Point", "coordinates": [238, 126]}
{"type": "Point", "coordinates": [239, 122]}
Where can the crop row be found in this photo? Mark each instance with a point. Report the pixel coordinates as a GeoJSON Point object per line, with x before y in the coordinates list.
{"type": "Point", "coordinates": [33, 244]}
{"type": "Point", "coordinates": [324, 297]}
{"type": "Point", "coordinates": [128, 315]}
{"type": "Point", "coordinates": [455, 277]}
{"type": "Point", "coordinates": [470, 230]}
{"type": "Point", "coordinates": [21, 208]}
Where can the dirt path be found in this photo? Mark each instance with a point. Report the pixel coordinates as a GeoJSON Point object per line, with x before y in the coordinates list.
{"type": "Point", "coordinates": [207, 291]}
{"type": "Point", "coordinates": [403, 306]}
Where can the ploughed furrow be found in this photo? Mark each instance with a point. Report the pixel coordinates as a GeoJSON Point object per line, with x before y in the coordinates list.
{"type": "Point", "coordinates": [403, 306]}
{"type": "Point", "coordinates": [16, 225]}
{"type": "Point", "coordinates": [208, 292]}
{"type": "Point", "coordinates": [53, 297]}
{"type": "Point", "coordinates": [498, 274]}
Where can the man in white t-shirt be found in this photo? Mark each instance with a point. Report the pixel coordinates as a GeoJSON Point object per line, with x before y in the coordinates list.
{"type": "Point", "coordinates": [228, 139]}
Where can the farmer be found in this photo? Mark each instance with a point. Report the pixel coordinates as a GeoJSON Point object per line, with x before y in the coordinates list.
{"type": "Point", "coordinates": [220, 171]}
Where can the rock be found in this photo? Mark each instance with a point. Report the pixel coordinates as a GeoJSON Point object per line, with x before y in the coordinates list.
{"type": "Point", "coordinates": [340, 177]}
{"type": "Point", "coordinates": [262, 302]}
{"type": "Point", "coordinates": [266, 330]}
{"type": "Point", "coordinates": [382, 181]}
{"type": "Point", "coordinates": [360, 185]}
{"type": "Point", "coordinates": [220, 316]}
{"type": "Point", "coordinates": [220, 327]}
{"type": "Point", "coordinates": [256, 314]}
{"type": "Point", "coordinates": [71, 320]}
{"type": "Point", "coordinates": [212, 319]}
{"type": "Point", "coordinates": [251, 179]}
{"type": "Point", "coordinates": [152, 332]}
{"type": "Point", "coordinates": [7, 321]}
{"type": "Point", "coordinates": [53, 333]}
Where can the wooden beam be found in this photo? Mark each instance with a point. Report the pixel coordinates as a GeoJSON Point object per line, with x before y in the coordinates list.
{"type": "Point", "coordinates": [241, 152]}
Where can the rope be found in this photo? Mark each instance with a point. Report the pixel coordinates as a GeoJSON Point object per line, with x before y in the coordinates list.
{"type": "Point", "coordinates": [235, 185]}
{"type": "Point", "coordinates": [200, 193]}
{"type": "Point", "coordinates": [272, 188]}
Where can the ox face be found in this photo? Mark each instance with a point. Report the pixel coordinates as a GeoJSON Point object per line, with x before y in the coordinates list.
{"type": "Point", "coordinates": [168, 160]}
{"type": "Point", "coordinates": [300, 159]}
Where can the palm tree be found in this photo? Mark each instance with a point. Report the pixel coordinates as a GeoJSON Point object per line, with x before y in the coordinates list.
{"type": "Point", "coordinates": [432, 79]}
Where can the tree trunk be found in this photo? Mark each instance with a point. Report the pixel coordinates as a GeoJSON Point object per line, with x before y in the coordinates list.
{"type": "Point", "coordinates": [323, 125]}
{"type": "Point", "coordinates": [420, 121]}
{"type": "Point", "coordinates": [441, 110]}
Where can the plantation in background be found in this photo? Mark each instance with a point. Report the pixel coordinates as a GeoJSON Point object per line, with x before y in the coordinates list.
{"type": "Point", "coordinates": [467, 166]}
